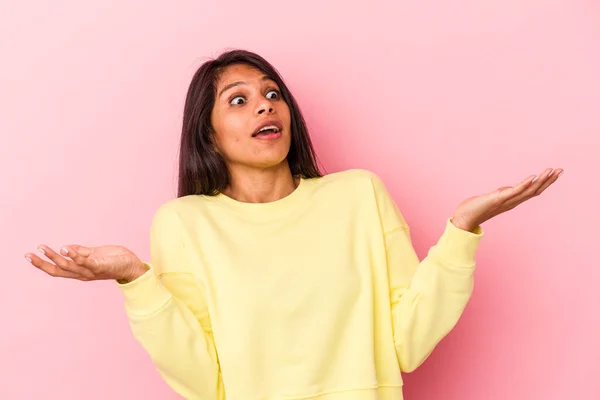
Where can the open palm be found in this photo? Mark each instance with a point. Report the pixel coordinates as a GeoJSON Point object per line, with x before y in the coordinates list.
{"type": "Point", "coordinates": [478, 209]}
{"type": "Point", "coordinates": [89, 263]}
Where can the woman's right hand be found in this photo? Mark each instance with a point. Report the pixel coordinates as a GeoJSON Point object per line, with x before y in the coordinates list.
{"type": "Point", "coordinates": [90, 263]}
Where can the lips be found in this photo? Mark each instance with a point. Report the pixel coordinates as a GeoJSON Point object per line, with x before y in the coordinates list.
{"type": "Point", "coordinates": [273, 123]}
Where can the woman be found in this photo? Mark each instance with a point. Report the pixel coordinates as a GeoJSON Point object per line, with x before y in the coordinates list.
{"type": "Point", "coordinates": [269, 280]}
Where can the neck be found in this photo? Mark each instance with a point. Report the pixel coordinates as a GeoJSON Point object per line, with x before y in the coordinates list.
{"type": "Point", "coordinates": [261, 185]}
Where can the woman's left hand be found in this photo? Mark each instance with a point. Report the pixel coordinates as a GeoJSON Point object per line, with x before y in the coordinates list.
{"type": "Point", "coordinates": [476, 210]}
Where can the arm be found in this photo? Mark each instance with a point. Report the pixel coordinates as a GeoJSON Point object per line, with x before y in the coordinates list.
{"type": "Point", "coordinates": [167, 328]}
{"type": "Point", "coordinates": [428, 296]}
{"type": "Point", "coordinates": [426, 307]}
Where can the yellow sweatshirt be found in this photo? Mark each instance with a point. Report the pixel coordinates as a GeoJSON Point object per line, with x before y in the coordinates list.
{"type": "Point", "coordinates": [319, 295]}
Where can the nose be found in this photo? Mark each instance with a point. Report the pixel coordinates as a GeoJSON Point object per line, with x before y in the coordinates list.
{"type": "Point", "coordinates": [265, 106]}
{"type": "Point", "coordinates": [262, 110]}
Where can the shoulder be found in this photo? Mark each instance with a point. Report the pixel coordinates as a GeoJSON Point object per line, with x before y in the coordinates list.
{"type": "Point", "coordinates": [360, 179]}
{"type": "Point", "coordinates": [175, 213]}
{"type": "Point", "coordinates": [366, 189]}
{"type": "Point", "coordinates": [356, 175]}
{"type": "Point", "coordinates": [361, 187]}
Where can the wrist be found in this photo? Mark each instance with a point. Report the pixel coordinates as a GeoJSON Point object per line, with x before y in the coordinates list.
{"type": "Point", "coordinates": [133, 273]}
{"type": "Point", "coordinates": [463, 224]}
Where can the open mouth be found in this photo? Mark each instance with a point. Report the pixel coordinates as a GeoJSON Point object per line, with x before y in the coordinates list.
{"type": "Point", "coordinates": [267, 131]}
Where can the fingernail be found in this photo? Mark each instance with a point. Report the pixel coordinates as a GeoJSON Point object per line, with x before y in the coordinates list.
{"type": "Point", "coordinates": [550, 174]}
{"type": "Point", "coordinates": [561, 172]}
{"type": "Point", "coordinates": [65, 251]}
{"type": "Point", "coordinates": [534, 179]}
{"type": "Point", "coordinates": [41, 250]}
{"type": "Point", "coordinates": [28, 259]}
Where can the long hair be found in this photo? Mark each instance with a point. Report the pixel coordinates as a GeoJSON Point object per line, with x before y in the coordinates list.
{"type": "Point", "coordinates": [202, 170]}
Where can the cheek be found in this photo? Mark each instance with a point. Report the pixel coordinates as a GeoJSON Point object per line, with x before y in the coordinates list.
{"type": "Point", "coordinates": [285, 112]}
{"type": "Point", "coordinates": [287, 120]}
{"type": "Point", "coordinates": [229, 142]}
{"type": "Point", "coordinates": [230, 132]}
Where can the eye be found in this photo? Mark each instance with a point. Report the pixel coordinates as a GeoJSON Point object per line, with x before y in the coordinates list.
{"type": "Point", "coordinates": [276, 92]}
{"type": "Point", "coordinates": [236, 100]}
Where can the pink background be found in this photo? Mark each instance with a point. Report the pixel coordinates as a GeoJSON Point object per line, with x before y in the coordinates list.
{"type": "Point", "coordinates": [443, 100]}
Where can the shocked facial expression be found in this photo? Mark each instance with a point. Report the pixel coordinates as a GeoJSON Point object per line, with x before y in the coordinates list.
{"type": "Point", "coordinates": [251, 121]}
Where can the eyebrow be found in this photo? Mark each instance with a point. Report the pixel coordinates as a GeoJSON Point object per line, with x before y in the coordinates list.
{"type": "Point", "coordinates": [238, 83]}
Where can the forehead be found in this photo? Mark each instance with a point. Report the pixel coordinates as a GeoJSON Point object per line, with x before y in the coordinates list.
{"type": "Point", "coordinates": [239, 72]}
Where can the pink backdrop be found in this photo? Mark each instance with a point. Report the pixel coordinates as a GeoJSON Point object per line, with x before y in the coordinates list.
{"type": "Point", "coordinates": [443, 99]}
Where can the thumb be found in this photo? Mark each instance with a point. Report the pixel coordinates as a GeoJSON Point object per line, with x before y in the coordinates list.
{"type": "Point", "coordinates": [81, 250]}
{"type": "Point", "coordinates": [80, 254]}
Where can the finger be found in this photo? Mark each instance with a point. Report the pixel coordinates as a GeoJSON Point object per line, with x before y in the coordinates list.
{"type": "Point", "coordinates": [80, 258]}
{"type": "Point", "coordinates": [509, 192]}
{"type": "Point", "coordinates": [534, 186]}
{"type": "Point", "coordinates": [537, 185]}
{"type": "Point", "coordinates": [49, 268]}
{"type": "Point", "coordinates": [75, 253]}
{"type": "Point", "coordinates": [63, 263]}
{"type": "Point", "coordinates": [551, 179]}
{"type": "Point", "coordinates": [81, 250]}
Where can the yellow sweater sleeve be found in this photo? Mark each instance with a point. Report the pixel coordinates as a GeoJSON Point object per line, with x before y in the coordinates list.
{"type": "Point", "coordinates": [164, 324]}
{"type": "Point", "coordinates": [428, 296]}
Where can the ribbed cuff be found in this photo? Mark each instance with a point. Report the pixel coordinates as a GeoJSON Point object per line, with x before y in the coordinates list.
{"type": "Point", "coordinates": [457, 246]}
{"type": "Point", "coordinates": [145, 295]}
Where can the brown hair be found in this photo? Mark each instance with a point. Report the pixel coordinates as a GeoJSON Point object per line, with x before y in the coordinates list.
{"type": "Point", "coordinates": [202, 170]}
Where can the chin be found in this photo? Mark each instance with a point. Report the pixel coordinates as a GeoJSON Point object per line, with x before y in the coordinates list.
{"type": "Point", "coordinates": [271, 157]}
{"type": "Point", "coordinates": [270, 161]}
{"type": "Point", "coordinates": [269, 164]}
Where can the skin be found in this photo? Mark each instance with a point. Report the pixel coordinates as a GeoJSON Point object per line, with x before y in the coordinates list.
{"type": "Point", "coordinates": [475, 210]}
{"type": "Point", "coordinates": [259, 168]}
{"type": "Point", "coordinates": [259, 173]}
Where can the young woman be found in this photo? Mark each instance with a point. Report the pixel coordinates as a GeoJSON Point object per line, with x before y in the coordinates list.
{"type": "Point", "coordinates": [269, 280]}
